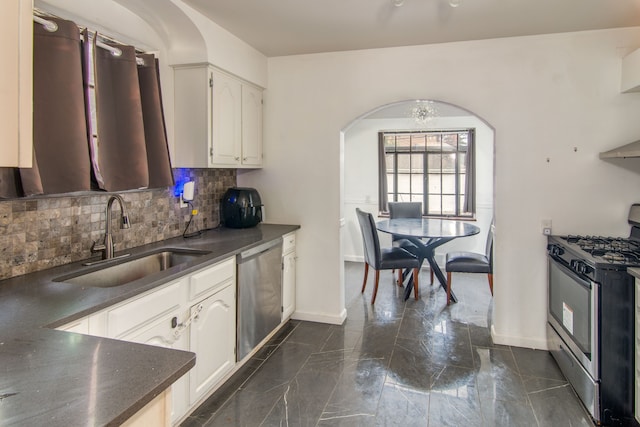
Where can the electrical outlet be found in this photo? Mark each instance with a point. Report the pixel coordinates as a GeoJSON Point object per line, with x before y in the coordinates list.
{"type": "Point", "coordinates": [546, 227]}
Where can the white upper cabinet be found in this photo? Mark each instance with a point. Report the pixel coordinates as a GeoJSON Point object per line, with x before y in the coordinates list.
{"type": "Point", "coordinates": [251, 126]}
{"type": "Point", "coordinates": [218, 119]}
{"type": "Point", "coordinates": [16, 83]}
{"type": "Point", "coordinates": [226, 144]}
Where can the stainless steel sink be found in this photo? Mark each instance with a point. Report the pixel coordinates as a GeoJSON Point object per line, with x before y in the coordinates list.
{"type": "Point", "coordinates": [132, 268]}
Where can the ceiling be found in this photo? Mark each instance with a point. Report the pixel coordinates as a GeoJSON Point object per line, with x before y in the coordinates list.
{"type": "Point", "coordinates": [290, 27]}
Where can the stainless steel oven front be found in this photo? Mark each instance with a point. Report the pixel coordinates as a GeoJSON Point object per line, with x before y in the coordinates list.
{"type": "Point", "coordinates": [573, 328]}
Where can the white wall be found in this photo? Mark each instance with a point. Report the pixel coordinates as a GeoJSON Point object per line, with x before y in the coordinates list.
{"type": "Point", "coordinates": [361, 178]}
{"type": "Point", "coordinates": [544, 95]}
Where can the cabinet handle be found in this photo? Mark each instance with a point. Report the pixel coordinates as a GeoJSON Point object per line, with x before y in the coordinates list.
{"type": "Point", "coordinates": [183, 326]}
{"type": "Point", "coordinates": [174, 322]}
{"type": "Point", "coordinates": [244, 159]}
{"type": "Point", "coordinates": [237, 158]}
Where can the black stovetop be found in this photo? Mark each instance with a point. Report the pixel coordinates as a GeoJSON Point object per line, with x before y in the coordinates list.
{"type": "Point", "coordinates": [611, 249]}
{"type": "Point", "coordinates": [598, 251]}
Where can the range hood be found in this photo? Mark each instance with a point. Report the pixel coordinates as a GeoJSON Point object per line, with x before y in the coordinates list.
{"type": "Point", "coordinates": [629, 150]}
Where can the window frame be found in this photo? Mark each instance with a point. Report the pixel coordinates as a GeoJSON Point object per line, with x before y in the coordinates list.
{"type": "Point", "coordinates": [393, 194]}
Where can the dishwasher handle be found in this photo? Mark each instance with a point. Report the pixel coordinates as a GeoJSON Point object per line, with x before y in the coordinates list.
{"type": "Point", "coordinates": [258, 250]}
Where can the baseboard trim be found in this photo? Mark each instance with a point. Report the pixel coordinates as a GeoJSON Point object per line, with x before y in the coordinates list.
{"type": "Point", "coordinates": [526, 342]}
{"type": "Point", "coordinates": [321, 318]}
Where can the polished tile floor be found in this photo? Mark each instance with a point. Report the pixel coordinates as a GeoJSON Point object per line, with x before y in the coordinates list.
{"type": "Point", "coordinates": [414, 363]}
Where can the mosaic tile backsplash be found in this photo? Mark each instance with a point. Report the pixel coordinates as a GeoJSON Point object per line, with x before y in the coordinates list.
{"type": "Point", "coordinates": [43, 232]}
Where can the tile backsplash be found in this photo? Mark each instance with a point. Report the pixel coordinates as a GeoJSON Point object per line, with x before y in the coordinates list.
{"type": "Point", "coordinates": [42, 232]}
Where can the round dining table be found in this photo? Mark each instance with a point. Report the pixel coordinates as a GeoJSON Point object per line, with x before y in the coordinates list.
{"type": "Point", "coordinates": [427, 234]}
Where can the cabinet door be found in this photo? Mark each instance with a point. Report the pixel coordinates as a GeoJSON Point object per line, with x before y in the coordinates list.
{"type": "Point", "coordinates": [226, 111]}
{"type": "Point", "coordinates": [213, 340]}
{"type": "Point", "coordinates": [161, 334]}
{"type": "Point", "coordinates": [192, 116]}
{"type": "Point", "coordinates": [251, 126]}
{"type": "Point", "coordinates": [288, 285]}
{"type": "Point", "coordinates": [16, 82]}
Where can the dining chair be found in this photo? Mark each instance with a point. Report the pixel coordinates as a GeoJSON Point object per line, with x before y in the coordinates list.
{"type": "Point", "coordinates": [406, 210]}
{"type": "Point", "coordinates": [383, 258]}
{"type": "Point", "coordinates": [471, 262]}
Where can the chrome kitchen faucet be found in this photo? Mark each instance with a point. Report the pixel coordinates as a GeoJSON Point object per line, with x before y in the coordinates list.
{"type": "Point", "coordinates": [107, 246]}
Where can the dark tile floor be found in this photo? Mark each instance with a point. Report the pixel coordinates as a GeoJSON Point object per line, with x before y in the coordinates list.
{"type": "Point", "coordinates": [414, 363]}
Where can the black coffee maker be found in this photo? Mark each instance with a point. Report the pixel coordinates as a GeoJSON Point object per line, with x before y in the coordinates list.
{"type": "Point", "coordinates": [241, 207]}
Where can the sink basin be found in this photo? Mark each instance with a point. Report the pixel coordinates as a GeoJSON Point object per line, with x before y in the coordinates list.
{"type": "Point", "coordinates": [132, 268]}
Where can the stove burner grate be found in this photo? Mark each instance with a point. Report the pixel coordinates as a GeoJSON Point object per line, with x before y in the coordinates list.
{"type": "Point", "coordinates": [610, 249]}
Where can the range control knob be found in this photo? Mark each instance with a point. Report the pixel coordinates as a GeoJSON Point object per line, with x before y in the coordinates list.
{"type": "Point", "coordinates": [555, 250]}
{"type": "Point", "coordinates": [586, 270]}
{"type": "Point", "coordinates": [581, 267]}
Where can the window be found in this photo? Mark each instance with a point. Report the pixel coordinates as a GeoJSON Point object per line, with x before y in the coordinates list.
{"type": "Point", "coordinates": [431, 167]}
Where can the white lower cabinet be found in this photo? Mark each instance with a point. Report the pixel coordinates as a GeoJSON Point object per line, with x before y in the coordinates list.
{"type": "Point", "coordinates": [194, 313]}
{"type": "Point", "coordinates": [162, 333]}
{"type": "Point", "coordinates": [213, 340]}
{"type": "Point", "coordinates": [135, 315]}
{"type": "Point", "coordinates": [197, 313]}
{"type": "Point", "coordinates": [288, 275]}
{"type": "Point", "coordinates": [155, 413]}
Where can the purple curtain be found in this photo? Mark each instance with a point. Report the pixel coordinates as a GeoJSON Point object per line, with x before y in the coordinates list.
{"type": "Point", "coordinates": [470, 166]}
{"type": "Point", "coordinates": [10, 187]}
{"type": "Point", "coordinates": [119, 155]}
{"type": "Point", "coordinates": [61, 154]}
{"type": "Point", "coordinates": [383, 191]}
{"type": "Point", "coordinates": [155, 132]}
{"type": "Point", "coordinates": [98, 118]}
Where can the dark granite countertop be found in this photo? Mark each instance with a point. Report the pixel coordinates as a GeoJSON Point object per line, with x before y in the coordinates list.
{"type": "Point", "coordinates": [58, 378]}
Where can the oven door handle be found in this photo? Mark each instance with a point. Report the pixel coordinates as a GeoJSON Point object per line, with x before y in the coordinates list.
{"type": "Point", "coordinates": [557, 259]}
{"type": "Point", "coordinates": [571, 273]}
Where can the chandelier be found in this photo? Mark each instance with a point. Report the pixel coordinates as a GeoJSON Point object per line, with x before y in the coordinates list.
{"type": "Point", "coordinates": [452, 3]}
{"type": "Point", "coordinates": [424, 111]}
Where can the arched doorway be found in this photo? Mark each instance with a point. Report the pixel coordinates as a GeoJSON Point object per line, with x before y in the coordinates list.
{"type": "Point", "coordinates": [360, 174]}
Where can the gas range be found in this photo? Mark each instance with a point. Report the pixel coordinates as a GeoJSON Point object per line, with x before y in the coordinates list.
{"type": "Point", "coordinates": [590, 319]}
{"type": "Point", "coordinates": [602, 252]}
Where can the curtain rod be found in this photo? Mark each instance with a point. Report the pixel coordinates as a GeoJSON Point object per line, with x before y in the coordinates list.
{"type": "Point", "coordinates": [52, 27]}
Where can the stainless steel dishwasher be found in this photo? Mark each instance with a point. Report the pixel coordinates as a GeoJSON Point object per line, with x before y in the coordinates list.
{"type": "Point", "coordinates": [259, 294]}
